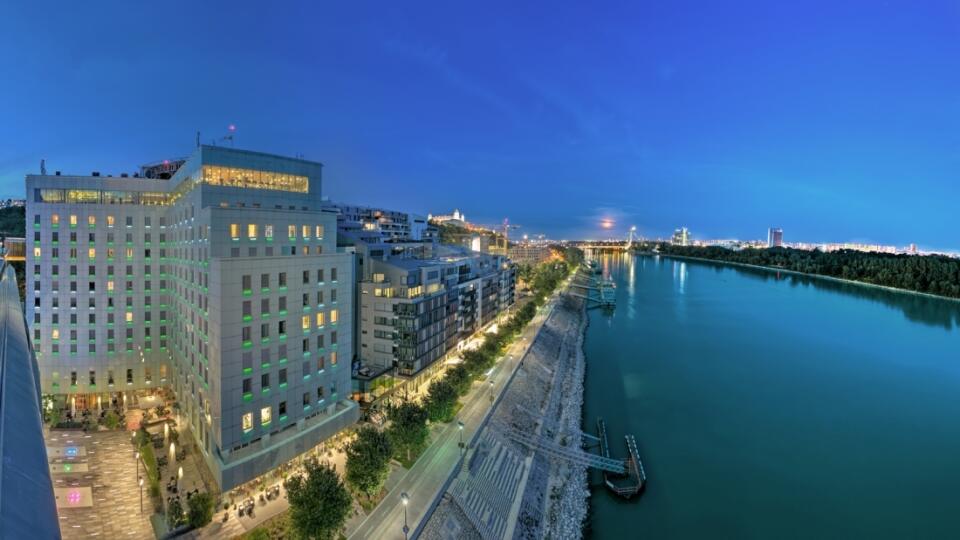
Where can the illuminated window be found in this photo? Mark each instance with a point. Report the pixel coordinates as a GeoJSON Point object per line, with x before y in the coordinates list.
{"type": "Point", "coordinates": [234, 230]}
{"type": "Point", "coordinates": [91, 220]}
{"type": "Point", "coordinates": [268, 231]}
{"type": "Point", "coordinates": [55, 219]}
{"type": "Point", "coordinates": [83, 196]}
{"type": "Point", "coordinates": [55, 333]}
{"type": "Point", "coordinates": [110, 221]}
{"type": "Point", "coordinates": [333, 358]}
{"type": "Point", "coordinates": [333, 316]}
{"type": "Point", "coordinates": [292, 231]}
{"type": "Point", "coordinates": [305, 322]}
{"type": "Point", "coordinates": [92, 253]}
{"type": "Point", "coordinates": [247, 421]}
{"type": "Point", "coordinates": [73, 220]}
{"type": "Point", "coordinates": [254, 179]}
{"type": "Point", "coordinates": [252, 231]}
{"type": "Point", "coordinates": [321, 319]}
{"type": "Point", "coordinates": [129, 316]}
{"type": "Point", "coordinates": [306, 231]}
{"type": "Point", "coordinates": [129, 253]}
{"type": "Point", "coordinates": [110, 286]}
{"type": "Point", "coordinates": [36, 252]}
{"type": "Point", "coordinates": [265, 416]}
{"type": "Point", "coordinates": [319, 231]}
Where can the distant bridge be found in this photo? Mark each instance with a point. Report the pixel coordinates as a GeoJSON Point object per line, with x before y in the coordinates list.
{"type": "Point", "coordinates": [610, 245]}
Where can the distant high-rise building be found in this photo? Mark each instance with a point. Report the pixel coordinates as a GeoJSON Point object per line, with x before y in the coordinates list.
{"type": "Point", "coordinates": [681, 237]}
{"type": "Point", "coordinates": [774, 237]}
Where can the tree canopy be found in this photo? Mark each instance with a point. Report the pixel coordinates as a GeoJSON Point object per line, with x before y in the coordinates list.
{"type": "Point", "coordinates": [368, 461]}
{"type": "Point", "coordinates": [199, 510]}
{"type": "Point", "coordinates": [441, 402]}
{"type": "Point", "coordinates": [319, 502]}
{"type": "Point", "coordinates": [932, 274]}
{"type": "Point", "coordinates": [408, 429]}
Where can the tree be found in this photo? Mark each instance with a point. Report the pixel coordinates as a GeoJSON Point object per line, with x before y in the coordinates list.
{"type": "Point", "coordinates": [368, 461]}
{"type": "Point", "coordinates": [55, 416]}
{"type": "Point", "coordinates": [441, 402]}
{"type": "Point", "coordinates": [199, 510]}
{"type": "Point", "coordinates": [408, 429]}
{"type": "Point", "coordinates": [175, 514]}
{"type": "Point", "coordinates": [319, 502]}
{"type": "Point", "coordinates": [459, 377]}
{"type": "Point", "coordinates": [111, 420]}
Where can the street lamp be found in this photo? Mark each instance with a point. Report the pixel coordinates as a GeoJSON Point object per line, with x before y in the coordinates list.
{"type": "Point", "coordinates": [179, 477]}
{"type": "Point", "coordinates": [406, 500]}
{"type": "Point", "coordinates": [460, 428]}
{"type": "Point", "coordinates": [141, 494]}
{"type": "Point", "coordinates": [136, 458]}
{"type": "Point", "coordinates": [491, 390]}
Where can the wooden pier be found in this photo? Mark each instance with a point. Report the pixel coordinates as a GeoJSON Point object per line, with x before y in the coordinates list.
{"type": "Point", "coordinates": [631, 482]}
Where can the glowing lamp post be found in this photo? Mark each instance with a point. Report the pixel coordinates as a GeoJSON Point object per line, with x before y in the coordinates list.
{"type": "Point", "coordinates": [460, 428]}
{"type": "Point", "coordinates": [179, 478]}
{"type": "Point", "coordinates": [141, 494]}
{"type": "Point", "coordinates": [406, 500]}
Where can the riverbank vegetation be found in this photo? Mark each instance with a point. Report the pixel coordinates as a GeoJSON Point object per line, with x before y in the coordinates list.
{"type": "Point", "coordinates": [930, 274]}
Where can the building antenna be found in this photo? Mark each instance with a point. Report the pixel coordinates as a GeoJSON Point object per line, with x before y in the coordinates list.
{"type": "Point", "coordinates": [43, 167]}
{"type": "Point", "coordinates": [198, 139]}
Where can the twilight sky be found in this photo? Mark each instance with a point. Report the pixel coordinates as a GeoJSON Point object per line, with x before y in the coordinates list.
{"type": "Point", "coordinates": [834, 120]}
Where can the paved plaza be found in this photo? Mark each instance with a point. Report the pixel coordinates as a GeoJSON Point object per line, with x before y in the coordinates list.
{"type": "Point", "coordinates": [95, 481]}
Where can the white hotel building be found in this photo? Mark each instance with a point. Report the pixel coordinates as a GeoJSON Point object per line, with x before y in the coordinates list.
{"type": "Point", "coordinates": [223, 282]}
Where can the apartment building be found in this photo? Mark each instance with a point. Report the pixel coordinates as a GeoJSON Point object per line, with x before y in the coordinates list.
{"type": "Point", "coordinates": [218, 276]}
{"type": "Point", "coordinates": [391, 225]}
{"type": "Point", "coordinates": [415, 312]}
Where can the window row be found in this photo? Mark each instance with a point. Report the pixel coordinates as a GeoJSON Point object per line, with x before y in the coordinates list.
{"type": "Point", "coordinates": [74, 376]}
{"type": "Point", "coordinates": [253, 231]}
{"type": "Point", "coordinates": [73, 220]}
{"type": "Point", "coordinates": [265, 416]}
{"type": "Point", "coordinates": [266, 280]}
{"type": "Point", "coordinates": [91, 253]}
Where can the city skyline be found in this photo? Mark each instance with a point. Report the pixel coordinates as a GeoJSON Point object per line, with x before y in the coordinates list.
{"type": "Point", "coordinates": [654, 116]}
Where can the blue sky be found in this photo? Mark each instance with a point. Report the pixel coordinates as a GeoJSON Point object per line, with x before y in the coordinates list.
{"type": "Point", "coordinates": [833, 120]}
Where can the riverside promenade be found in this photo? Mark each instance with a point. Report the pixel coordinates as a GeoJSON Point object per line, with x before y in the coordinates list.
{"type": "Point", "coordinates": [504, 490]}
{"type": "Point", "coordinates": [426, 482]}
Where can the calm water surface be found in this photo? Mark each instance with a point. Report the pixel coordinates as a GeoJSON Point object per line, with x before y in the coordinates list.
{"type": "Point", "coordinates": [774, 406]}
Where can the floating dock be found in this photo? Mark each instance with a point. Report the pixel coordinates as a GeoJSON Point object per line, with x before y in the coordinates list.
{"type": "Point", "coordinates": [631, 482]}
{"type": "Point", "coordinates": [596, 291]}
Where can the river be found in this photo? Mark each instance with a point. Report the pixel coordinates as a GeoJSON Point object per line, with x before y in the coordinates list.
{"type": "Point", "coordinates": [768, 405]}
